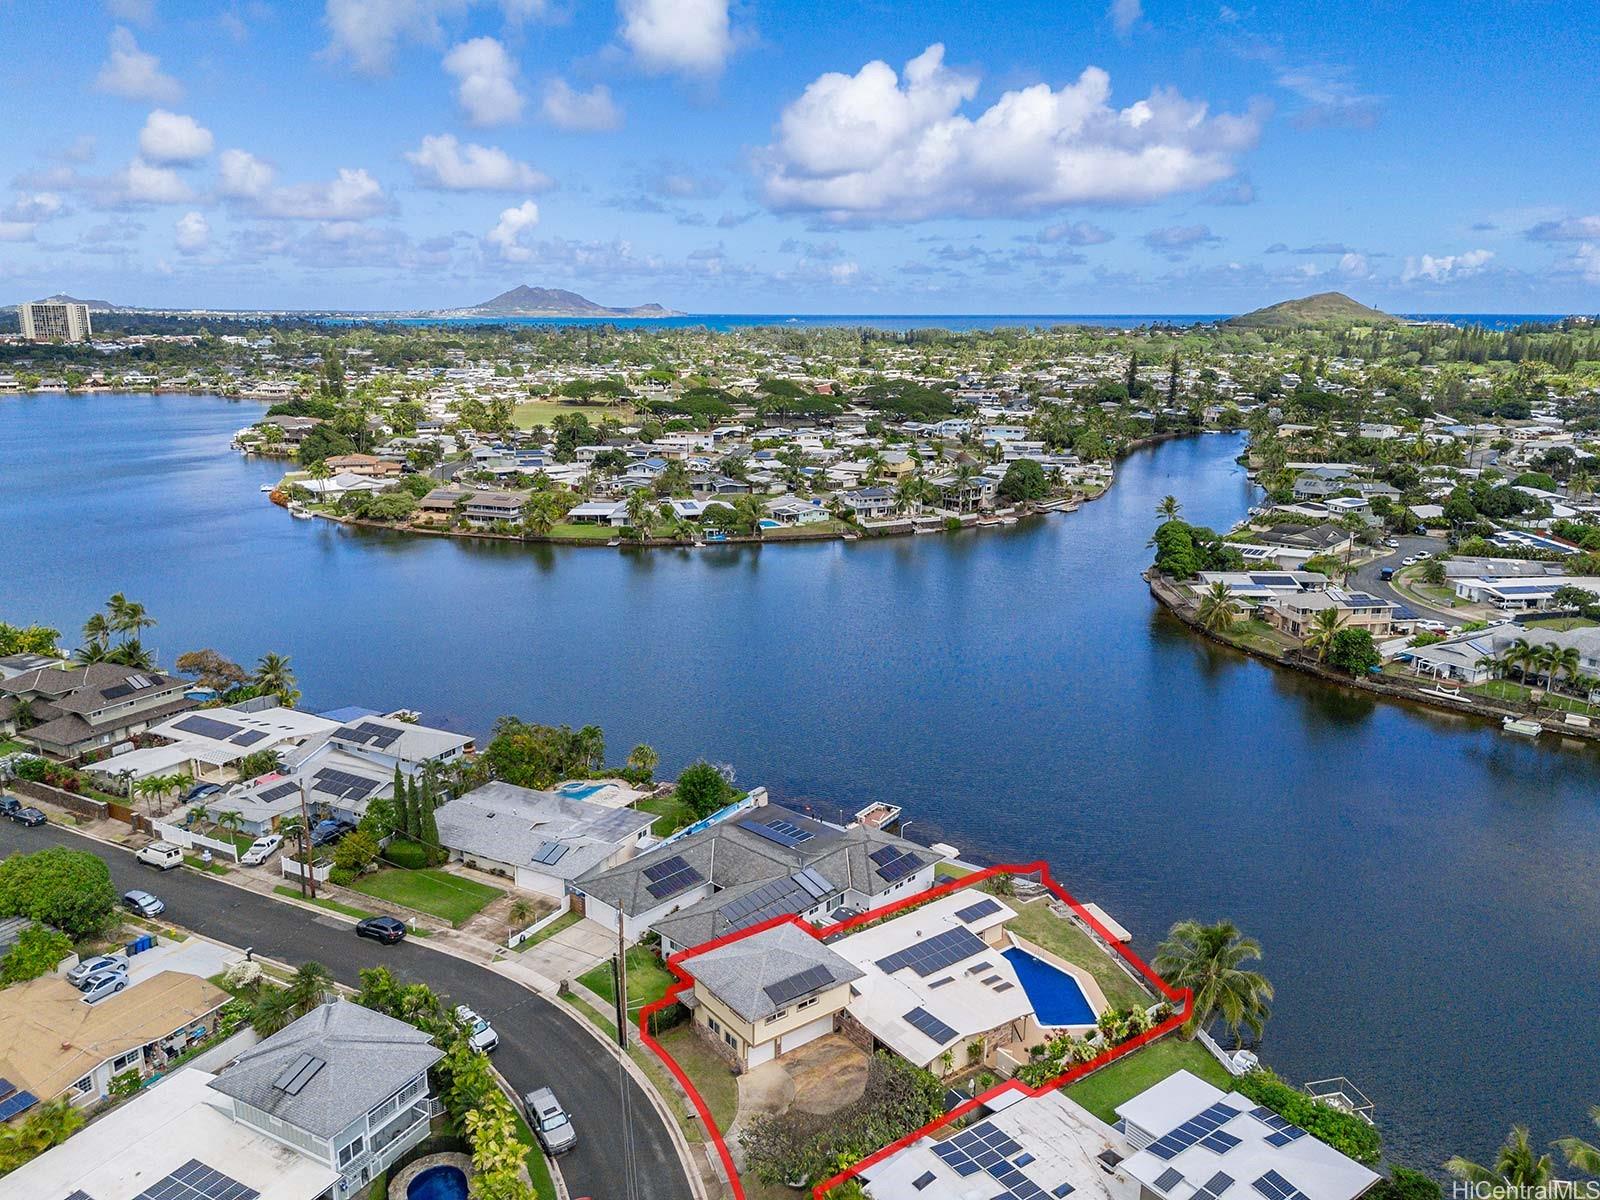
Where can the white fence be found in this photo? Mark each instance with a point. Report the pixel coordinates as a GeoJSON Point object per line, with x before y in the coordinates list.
{"type": "Point", "coordinates": [320, 870]}
{"type": "Point", "coordinates": [178, 835]}
{"type": "Point", "coordinates": [522, 935]}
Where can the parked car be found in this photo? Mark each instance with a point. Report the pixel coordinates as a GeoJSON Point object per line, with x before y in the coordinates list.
{"type": "Point", "coordinates": [261, 849]}
{"type": "Point", "coordinates": [29, 815]}
{"type": "Point", "coordinates": [94, 965]}
{"type": "Point", "coordinates": [9, 805]}
{"type": "Point", "coordinates": [1422, 554]}
{"type": "Point", "coordinates": [480, 1033]}
{"type": "Point", "coordinates": [160, 854]}
{"type": "Point", "coordinates": [550, 1121]}
{"type": "Point", "coordinates": [325, 833]}
{"type": "Point", "coordinates": [1408, 560]}
{"type": "Point", "coordinates": [143, 903]}
{"type": "Point", "coordinates": [387, 930]}
{"type": "Point", "coordinates": [201, 790]}
{"type": "Point", "coordinates": [107, 983]}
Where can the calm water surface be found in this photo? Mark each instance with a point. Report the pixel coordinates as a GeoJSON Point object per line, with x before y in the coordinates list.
{"type": "Point", "coordinates": [1425, 887]}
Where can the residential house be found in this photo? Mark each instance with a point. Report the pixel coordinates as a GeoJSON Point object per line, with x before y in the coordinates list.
{"type": "Point", "coordinates": [68, 712]}
{"type": "Point", "coordinates": [760, 997]}
{"type": "Point", "coordinates": [485, 508]}
{"type": "Point", "coordinates": [363, 464]}
{"type": "Point", "coordinates": [541, 841]}
{"type": "Point", "coordinates": [55, 1043]}
{"type": "Point", "coordinates": [1326, 538]}
{"type": "Point", "coordinates": [345, 1086]}
{"type": "Point", "coordinates": [1515, 594]}
{"type": "Point", "coordinates": [208, 745]}
{"type": "Point", "coordinates": [175, 1139]}
{"type": "Point", "coordinates": [870, 504]}
{"type": "Point", "coordinates": [1296, 613]}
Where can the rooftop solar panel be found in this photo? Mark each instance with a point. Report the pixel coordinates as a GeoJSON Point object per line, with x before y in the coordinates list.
{"type": "Point", "coordinates": [898, 868]}
{"type": "Point", "coordinates": [17, 1102]}
{"type": "Point", "coordinates": [207, 727]}
{"type": "Point", "coordinates": [1169, 1179]}
{"type": "Point", "coordinates": [668, 883]}
{"type": "Point", "coordinates": [1284, 1136]}
{"type": "Point", "coordinates": [926, 1023]}
{"type": "Point", "coordinates": [292, 1079]}
{"type": "Point", "coordinates": [783, 833]}
{"type": "Point", "coordinates": [550, 853]}
{"type": "Point", "coordinates": [934, 954]}
{"type": "Point", "coordinates": [1216, 1185]}
{"type": "Point", "coordinates": [1275, 1187]}
{"type": "Point", "coordinates": [1219, 1142]}
{"type": "Point", "coordinates": [976, 912]}
{"type": "Point", "coordinates": [800, 984]}
{"type": "Point", "coordinates": [248, 738]}
{"type": "Point", "coordinates": [6, 1088]}
{"type": "Point", "coordinates": [196, 1181]}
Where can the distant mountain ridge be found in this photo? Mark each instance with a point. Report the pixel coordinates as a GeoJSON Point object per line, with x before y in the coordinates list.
{"type": "Point", "coordinates": [525, 301]}
{"type": "Point", "coordinates": [1324, 308]}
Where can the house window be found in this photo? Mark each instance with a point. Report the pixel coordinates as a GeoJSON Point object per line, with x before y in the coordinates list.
{"type": "Point", "coordinates": [807, 1003]}
{"type": "Point", "coordinates": [778, 1016]}
{"type": "Point", "coordinates": [127, 1062]}
{"type": "Point", "coordinates": [731, 1040]}
{"type": "Point", "coordinates": [352, 1151]}
{"type": "Point", "coordinates": [84, 1086]}
{"type": "Point", "coordinates": [715, 1028]}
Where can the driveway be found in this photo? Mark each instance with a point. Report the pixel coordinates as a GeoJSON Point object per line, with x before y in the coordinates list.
{"type": "Point", "coordinates": [540, 1046]}
{"type": "Point", "coordinates": [193, 956]}
{"type": "Point", "coordinates": [570, 953]}
{"type": "Point", "coordinates": [819, 1078]}
{"type": "Point", "coordinates": [1366, 577]}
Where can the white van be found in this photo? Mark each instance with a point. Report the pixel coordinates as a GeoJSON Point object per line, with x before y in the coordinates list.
{"type": "Point", "coordinates": [161, 854]}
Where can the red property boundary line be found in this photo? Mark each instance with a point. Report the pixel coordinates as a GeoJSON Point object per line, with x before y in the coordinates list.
{"type": "Point", "coordinates": [1183, 997]}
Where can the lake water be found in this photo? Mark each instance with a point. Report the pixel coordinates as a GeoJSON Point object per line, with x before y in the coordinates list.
{"type": "Point", "coordinates": [1424, 886]}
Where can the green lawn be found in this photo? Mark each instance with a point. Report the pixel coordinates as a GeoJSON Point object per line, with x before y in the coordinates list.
{"type": "Point", "coordinates": [1557, 623]}
{"type": "Point", "coordinates": [1039, 925]}
{"type": "Point", "coordinates": [671, 813]}
{"type": "Point", "coordinates": [446, 896]}
{"type": "Point", "coordinates": [1112, 1085]}
{"type": "Point", "coordinates": [542, 412]}
{"type": "Point", "coordinates": [1260, 636]}
{"type": "Point", "coordinates": [215, 867]}
{"type": "Point", "coordinates": [538, 1169]}
{"type": "Point", "coordinates": [1512, 692]}
{"type": "Point", "coordinates": [565, 921]}
{"type": "Point", "coordinates": [648, 979]}
{"type": "Point", "coordinates": [946, 871]}
{"type": "Point", "coordinates": [322, 902]}
{"type": "Point", "coordinates": [10, 746]}
{"type": "Point", "coordinates": [593, 533]}
{"type": "Point", "coordinates": [713, 1078]}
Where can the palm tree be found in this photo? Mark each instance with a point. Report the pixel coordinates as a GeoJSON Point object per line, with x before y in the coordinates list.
{"type": "Point", "coordinates": [93, 652]}
{"type": "Point", "coordinates": [1565, 661]}
{"type": "Point", "coordinates": [1169, 508]}
{"type": "Point", "coordinates": [644, 760]}
{"type": "Point", "coordinates": [272, 1010]}
{"type": "Point", "coordinates": [96, 628]}
{"type": "Point", "coordinates": [309, 987]}
{"type": "Point", "coordinates": [1216, 611]}
{"type": "Point", "coordinates": [1206, 959]}
{"type": "Point", "coordinates": [1519, 654]}
{"type": "Point", "coordinates": [1581, 1155]}
{"type": "Point", "coordinates": [274, 675]}
{"type": "Point", "coordinates": [319, 470]}
{"type": "Point", "coordinates": [135, 619]}
{"type": "Point", "coordinates": [1324, 627]}
{"type": "Point", "coordinates": [148, 788]}
{"type": "Point", "coordinates": [1516, 1165]}
{"type": "Point", "coordinates": [131, 653]}
{"type": "Point", "coordinates": [638, 506]}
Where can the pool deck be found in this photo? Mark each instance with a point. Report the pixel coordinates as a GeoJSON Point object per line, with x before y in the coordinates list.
{"type": "Point", "coordinates": [1087, 983]}
{"type": "Point", "coordinates": [401, 1183]}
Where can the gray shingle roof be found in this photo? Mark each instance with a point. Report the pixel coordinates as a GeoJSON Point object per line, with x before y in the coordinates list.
{"type": "Point", "coordinates": [368, 1058]}
{"type": "Point", "coordinates": [739, 973]}
{"type": "Point", "coordinates": [510, 824]}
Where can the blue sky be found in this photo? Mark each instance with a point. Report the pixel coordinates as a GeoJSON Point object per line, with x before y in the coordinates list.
{"type": "Point", "coordinates": [1127, 156]}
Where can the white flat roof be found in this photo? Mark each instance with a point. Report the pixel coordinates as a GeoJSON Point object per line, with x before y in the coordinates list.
{"type": "Point", "coordinates": [1057, 1143]}
{"type": "Point", "coordinates": [134, 1147]}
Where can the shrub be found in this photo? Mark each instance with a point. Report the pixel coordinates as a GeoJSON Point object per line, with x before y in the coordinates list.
{"type": "Point", "coordinates": [410, 855]}
{"type": "Point", "coordinates": [355, 852]}
{"type": "Point", "coordinates": [124, 1085]}
{"type": "Point", "coordinates": [703, 789]}
{"type": "Point", "coordinates": [38, 950]}
{"type": "Point", "coordinates": [70, 889]}
{"type": "Point", "coordinates": [1345, 1132]}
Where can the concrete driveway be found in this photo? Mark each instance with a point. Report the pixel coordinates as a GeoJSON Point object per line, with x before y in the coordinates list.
{"type": "Point", "coordinates": [568, 954]}
{"type": "Point", "coordinates": [193, 956]}
{"type": "Point", "coordinates": [819, 1078]}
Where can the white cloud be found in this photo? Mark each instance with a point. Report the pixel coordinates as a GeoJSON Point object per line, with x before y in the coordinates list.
{"type": "Point", "coordinates": [192, 233]}
{"type": "Point", "coordinates": [1444, 268]}
{"type": "Point", "coordinates": [367, 32]}
{"type": "Point", "coordinates": [506, 236]}
{"type": "Point", "coordinates": [169, 137]}
{"type": "Point", "coordinates": [33, 207]}
{"type": "Point", "coordinates": [351, 196]}
{"type": "Point", "coordinates": [1354, 265]}
{"type": "Point", "coordinates": [875, 145]}
{"type": "Point", "coordinates": [1074, 233]}
{"type": "Point", "coordinates": [486, 81]}
{"type": "Point", "coordinates": [443, 162]}
{"type": "Point", "coordinates": [1586, 260]}
{"type": "Point", "coordinates": [1124, 15]}
{"type": "Point", "coordinates": [146, 183]}
{"type": "Point", "coordinates": [243, 176]}
{"type": "Point", "coordinates": [134, 74]}
{"type": "Point", "coordinates": [593, 111]}
{"type": "Point", "coordinates": [1572, 229]}
{"type": "Point", "coordinates": [140, 12]}
{"type": "Point", "coordinates": [1177, 241]}
{"type": "Point", "coordinates": [691, 36]}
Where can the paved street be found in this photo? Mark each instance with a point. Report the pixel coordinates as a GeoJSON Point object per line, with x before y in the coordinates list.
{"type": "Point", "coordinates": [1366, 578]}
{"type": "Point", "coordinates": [622, 1137]}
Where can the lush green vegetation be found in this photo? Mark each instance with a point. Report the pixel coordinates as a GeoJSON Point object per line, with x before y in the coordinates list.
{"type": "Point", "coordinates": [702, 789]}
{"type": "Point", "coordinates": [1131, 1074]}
{"type": "Point", "coordinates": [1209, 960]}
{"type": "Point", "coordinates": [1345, 1132]}
{"type": "Point", "coordinates": [37, 951]}
{"type": "Point", "coordinates": [448, 897]}
{"type": "Point", "coordinates": [565, 921]}
{"type": "Point", "coordinates": [713, 1079]}
{"type": "Point", "coordinates": [322, 902]}
{"type": "Point", "coordinates": [648, 979]}
{"type": "Point", "coordinates": [68, 889]}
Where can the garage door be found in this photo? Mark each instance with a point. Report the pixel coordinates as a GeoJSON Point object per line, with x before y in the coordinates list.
{"type": "Point", "coordinates": [793, 1040]}
{"type": "Point", "coordinates": [760, 1054]}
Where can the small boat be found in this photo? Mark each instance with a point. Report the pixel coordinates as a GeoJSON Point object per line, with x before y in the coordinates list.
{"type": "Point", "coordinates": [1521, 726]}
{"type": "Point", "coordinates": [299, 512]}
{"type": "Point", "coordinates": [267, 487]}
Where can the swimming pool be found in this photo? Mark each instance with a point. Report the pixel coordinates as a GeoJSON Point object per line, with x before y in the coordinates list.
{"type": "Point", "coordinates": [581, 791]}
{"type": "Point", "coordinates": [438, 1183]}
{"type": "Point", "coordinates": [1056, 997]}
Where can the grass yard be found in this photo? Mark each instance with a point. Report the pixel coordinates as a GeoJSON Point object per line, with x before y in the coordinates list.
{"type": "Point", "coordinates": [713, 1078]}
{"type": "Point", "coordinates": [10, 746]}
{"type": "Point", "coordinates": [443, 895]}
{"type": "Point", "coordinates": [591, 533]}
{"type": "Point", "coordinates": [945, 871]}
{"type": "Point", "coordinates": [538, 1168]}
{"type": "Point", "coordinates": [565, 921]}
{"type": "Point", "coordinates": [214, 867]}
{"type": "Point", "coordinates": [1110, 1086]}
{"type": "Point", "coordinates": [648, 979]}
{"type": "Point", "coordinates": [1512, 692]}
{"type": "Point", "coordinates": [542, 412]}
{"type": "Point", "coordinates": [1260, 636]}
{"type": "Point", "coordinates": [671, 814]}
{"type": "Point", "coordinates": [1561, 624]}
{"type": "Point", "coordinates": [1038, 924]}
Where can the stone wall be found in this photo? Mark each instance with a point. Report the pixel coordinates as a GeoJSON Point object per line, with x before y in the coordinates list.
{"type": "Point", "coordinates": [80, 806]}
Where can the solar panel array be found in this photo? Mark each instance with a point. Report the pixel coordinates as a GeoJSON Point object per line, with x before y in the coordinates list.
{"type": "Point", "coordinates": [292, 1079]}
{"type": "Point", "coordinates": [925, 1022]}
{"type": "Point", "coordinates": [550, 853]}
{"type": "Point", "coordinates": [196, 1181]}
{"type": "Point", "coordinates": [784, 833]}
{"type": "Point", "coordinates": [901, 864]}
{"type": "Point", "coordinates": [1275, 1187]}
{"type": "Point", "coordinates": [976, 912]}
{"type": "Point", "coordinates": [342, 785]}
{"type": "Point", "coordinates": [278, 792]}
{"type": "Point", "coordinates": [1215, 1186]}
{"type": "Point", "coordinates": [368, 734]}
{"type": "Point", "coordinates": [1201, 1129]}
{"type": "Point", "coordinates": [779, 898]}
{"type": "Point", "coordinates": [987, 1148]}
{"type": "Point", "coordinates": [207, 727]}
{"type": "Point", "coordinates": [799, 984]}
{"type": "Point", "coordinates": [12, 1101]}
{"type": "Point", "coordinates": [934, 954]}
{"type": "Point", "coordinates": [1168, 1179]}
{"type": "Point", "coordinates": [248, 738]}
{"type": "Point", "coordinates": [80, 1194]}
{"type": "Point", "coordinates": [668, 878]}
{"type": "Point", "coordinates": [1283, 1132]}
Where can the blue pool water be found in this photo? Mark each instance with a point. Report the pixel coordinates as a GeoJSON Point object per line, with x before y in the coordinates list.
{"type": "Point", "coordinates": [580, 791]}
{"type": "Point", "coordinates": [438, 1183]}
{"type": "Point", "coordinates": [1055, 995]}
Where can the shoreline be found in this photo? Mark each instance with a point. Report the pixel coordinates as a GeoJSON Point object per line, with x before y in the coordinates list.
{"type": "Point", "coordinates": [1390, 687]}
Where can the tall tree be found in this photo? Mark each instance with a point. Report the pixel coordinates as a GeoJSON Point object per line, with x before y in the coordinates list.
{"type": "Point", "coordinates": [1207, 960]}
{"type": "Point", "coordinates": [1516, 1166]}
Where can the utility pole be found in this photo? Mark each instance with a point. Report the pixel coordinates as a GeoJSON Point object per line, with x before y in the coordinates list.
{"type": "Point", "coordinates": [306, 881]}
{"type": "Point", "coordinates": [620, 979]}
